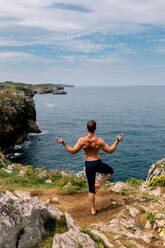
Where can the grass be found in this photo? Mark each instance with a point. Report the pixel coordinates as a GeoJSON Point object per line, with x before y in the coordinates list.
{"type": "Point", "coordinates": [157, 181]}
{"type": "Point", "coordinates": [32, 179]}
{"type": "Point", "coordinates": [53, 227]}
{"type": "Point", "coordinates": [99, 241]}
{"type": "Point", "coordinates": [149, 197]}
{"type": "Point", "coordinates": [150, 216]}
{"type": "Point", "coordinates": [135, 182]}
{"type": "Point", "coordinates": [141, 209]}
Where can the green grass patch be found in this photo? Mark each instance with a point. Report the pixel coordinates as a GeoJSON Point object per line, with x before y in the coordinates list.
{"type": "Point", "coordinates": [55, 176]}
{"type": "Point", "coordinates": [4, 174]}
{"type": "Point", "coordinates": [53, 227]}
{"type": "Point", "coordinates": [135, 182]}
{"type": "Point", "coordinates": [150, 216]}
{"type": "Point", "coordinates": [79, 181]}
{"type": "Point", "coordinates": [149, 197]}
{"type": "Point", "coordinates": [141, 209]}
{"type": "Point", "coordinates": [157, 181]}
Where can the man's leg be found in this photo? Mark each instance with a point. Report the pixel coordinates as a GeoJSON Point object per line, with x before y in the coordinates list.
{"type": "Point", "coordinates": [92, 202]}
{"type": "Point", "coordinates": [91, 174]}
{"type": "Point", "coordinates": [103, 179]}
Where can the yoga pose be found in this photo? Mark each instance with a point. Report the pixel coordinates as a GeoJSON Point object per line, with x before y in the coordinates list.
{"type": "Point", "coordinates": [93, 163]}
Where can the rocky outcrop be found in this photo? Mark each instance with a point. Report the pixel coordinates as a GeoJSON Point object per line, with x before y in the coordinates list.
{"type": "Point", "coordinates": [156, 170]}
{"type": "Point", "coordinates": [59, 92]}
{"type": "Point", "coordinates": [73, 238]}
{"type": "Point", "coordinates": [23, 220]}
{"type": "Point", "coordinates": [17, 117]}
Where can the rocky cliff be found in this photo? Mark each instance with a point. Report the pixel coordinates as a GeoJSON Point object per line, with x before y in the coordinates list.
{"type": "Point", "coordinates": [17, 117]}
{"type": "Point", "coordinates": [31, 89]}
{"type": "Point", "coordinates": [130, 214]}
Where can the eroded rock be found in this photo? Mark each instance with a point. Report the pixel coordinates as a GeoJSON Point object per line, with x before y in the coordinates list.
{"type": "Point", "coordinates": [73, 237]}
{"type": "Point", "coordinates": [23, 222]}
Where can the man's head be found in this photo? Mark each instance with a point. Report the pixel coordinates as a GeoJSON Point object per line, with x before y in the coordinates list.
{"type": "Point", "coordinates": [91, 126]}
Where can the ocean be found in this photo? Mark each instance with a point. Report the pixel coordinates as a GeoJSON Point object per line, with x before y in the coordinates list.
{"type": "Point", "coordinates": [137, 111]}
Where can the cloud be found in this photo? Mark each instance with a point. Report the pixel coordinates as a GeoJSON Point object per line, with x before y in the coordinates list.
{"type": "Point", "coordinates": [78, 33]}
{"type": "Point", "coordinates": [10, 55]}
{"type": "Point", "coordinates": [112, 15]}
{"type": "Point", "coordinates": [70, 7]}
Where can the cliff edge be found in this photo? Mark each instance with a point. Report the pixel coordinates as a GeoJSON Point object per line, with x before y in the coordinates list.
{"type": "Point", "coordinates": [17, 117]}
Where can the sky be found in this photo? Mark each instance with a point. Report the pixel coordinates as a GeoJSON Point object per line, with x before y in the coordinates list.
{"type": "Point", "coordinates": [83, 42]}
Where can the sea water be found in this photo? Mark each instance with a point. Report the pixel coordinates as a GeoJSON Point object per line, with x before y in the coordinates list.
{"type": "Point", "coordinates": [138, 112]}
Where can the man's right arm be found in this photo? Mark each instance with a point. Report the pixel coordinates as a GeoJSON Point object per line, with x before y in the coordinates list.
{"type": "Point", "coordinates": [110, 149]}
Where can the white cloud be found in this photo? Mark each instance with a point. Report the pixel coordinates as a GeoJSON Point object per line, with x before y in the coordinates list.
{"type": "Point", "coordinates": [10, 55]}
{"type": "Point", "coordinates": [35, 23]}
{"type": "Point", "coordinates": [112, 15]}
{"type": "Point", "coordinates": [17, 57]}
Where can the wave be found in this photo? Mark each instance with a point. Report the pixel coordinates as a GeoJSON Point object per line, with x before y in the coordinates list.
{"type": "Point", "coordinates": [50, 105]}
{"type": "Point", "coordinates": [38, 134]}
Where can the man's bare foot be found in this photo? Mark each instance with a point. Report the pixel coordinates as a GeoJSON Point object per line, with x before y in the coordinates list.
{"type": "Point", "coordinates": [97, 186]}
{"type": "Point", "coordinates": [93, 211]}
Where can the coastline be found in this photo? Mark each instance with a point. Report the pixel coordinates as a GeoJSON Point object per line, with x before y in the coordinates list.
{"type": "Point", "coordinates": [136, 206]}
{"type": "Point", "coordinates": [129, 213]}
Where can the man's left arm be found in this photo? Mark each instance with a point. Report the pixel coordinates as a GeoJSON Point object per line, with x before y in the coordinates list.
{"type": "Point", "coordinates": [71, 150]}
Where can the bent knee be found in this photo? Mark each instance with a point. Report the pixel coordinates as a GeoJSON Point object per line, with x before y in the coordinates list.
{"type": "Point", "coordinates": [110, 172]}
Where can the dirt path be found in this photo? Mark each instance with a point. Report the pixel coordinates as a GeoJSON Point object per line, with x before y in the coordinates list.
{"type": "Point", "coordinates": [77, 205]}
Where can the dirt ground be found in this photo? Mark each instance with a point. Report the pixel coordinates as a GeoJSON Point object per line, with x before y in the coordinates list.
{"type": "Point", "coordinates": [77, 205]}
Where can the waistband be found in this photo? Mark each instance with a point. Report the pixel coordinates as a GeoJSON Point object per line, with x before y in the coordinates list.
{"type": "Point", "coordinates": [88, 162]}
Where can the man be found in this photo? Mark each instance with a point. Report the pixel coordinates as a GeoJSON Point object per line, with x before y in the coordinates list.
{"type": "Point", "coordinates": [91, 146]}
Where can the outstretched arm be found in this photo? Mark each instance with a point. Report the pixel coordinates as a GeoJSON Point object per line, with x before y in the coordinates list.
{"type": "Point", "coordinates": [70, 149]}
{"type": "Point", "coordinates": [111, 149]}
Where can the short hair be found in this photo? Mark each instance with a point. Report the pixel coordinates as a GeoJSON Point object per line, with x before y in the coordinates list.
{"type": "Point", "coordinates": [91, 126]}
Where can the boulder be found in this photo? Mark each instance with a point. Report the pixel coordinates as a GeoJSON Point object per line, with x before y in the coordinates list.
{"type": "Point", "coordinates": [157, 169]}
{"type": "Point", "coordinates": [73, 238]}
{"type": "Point", "coordinates": [23, 222]}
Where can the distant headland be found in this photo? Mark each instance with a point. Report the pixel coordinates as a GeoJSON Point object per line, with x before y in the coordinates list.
{"type": "Point", "coordinates": [57, 89]}
{"type": "Point", "coordinates": [17, 110]}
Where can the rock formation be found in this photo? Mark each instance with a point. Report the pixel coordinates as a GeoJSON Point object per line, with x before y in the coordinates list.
{"type": "Point", "coordinates": [73, 238]}
{"type": "Point", "coordinates": [156, 170]}
{"type": "Point", "coordinates": [17, 117]}
{"type": "Point", "coordinates": [23, 220]}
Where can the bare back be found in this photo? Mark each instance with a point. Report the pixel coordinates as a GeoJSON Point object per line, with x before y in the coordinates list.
{"type": "Point", "coordinates": [91, 146]}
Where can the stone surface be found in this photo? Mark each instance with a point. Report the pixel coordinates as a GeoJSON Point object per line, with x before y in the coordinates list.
{"type": "Point", "coordinates": [7, 171]}
{"type": "Point", "coordinates": [103, 237]}
{"type": "Point", "coordinates": [48, 181]}
{"type": "Point", "coordinates": [22, 222]}
{"type": "Point", "coordinates": [73, 237]}
{"type": "Point", "coordinates": [118, 186]}
{"type": "Point", "coordinates": [157, 169]}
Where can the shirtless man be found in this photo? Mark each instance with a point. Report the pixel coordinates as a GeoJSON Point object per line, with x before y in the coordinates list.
{"type": "Point", "coordinates": [91, 146]}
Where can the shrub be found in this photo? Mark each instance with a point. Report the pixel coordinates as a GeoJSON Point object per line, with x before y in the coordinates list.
{"type": "Point", "coordinates": [157, 181]}
{"type": "Point", "coordinates": [151, 217]}
{"type": "Point", "coordinates": [55, 176]}
{"type": "Point", "coordinates": [79, 181]}
{"type": "Point", "coordinates": [71, 190]}
{"type": "Point", "coordinates": [4, 174]}
{"type": "Point", "coordinates": [135, 182]}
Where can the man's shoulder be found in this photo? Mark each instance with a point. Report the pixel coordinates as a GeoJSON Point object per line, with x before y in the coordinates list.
{"type": "Point", "coordinates": [100, 140]}
{"type": "Point", "coordinates": [81, 139]}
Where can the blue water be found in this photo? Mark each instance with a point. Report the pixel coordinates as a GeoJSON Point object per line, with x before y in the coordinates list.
{"type": "Point", "coordinates": [139, 112]}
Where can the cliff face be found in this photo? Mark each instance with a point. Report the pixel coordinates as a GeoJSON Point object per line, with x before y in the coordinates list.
{"type": "Point", "coordinates": [17, 117]}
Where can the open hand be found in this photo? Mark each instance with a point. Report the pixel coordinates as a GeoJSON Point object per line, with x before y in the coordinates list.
{"type": "Point", "coordinates": [60, 140]}
{"type": "Point", "coordinates": [120, 137]}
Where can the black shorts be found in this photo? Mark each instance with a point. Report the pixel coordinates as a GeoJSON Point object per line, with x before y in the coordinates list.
{"type": "Point", "coordinates": [91, 167]}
